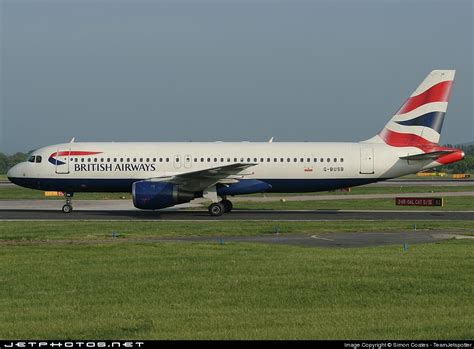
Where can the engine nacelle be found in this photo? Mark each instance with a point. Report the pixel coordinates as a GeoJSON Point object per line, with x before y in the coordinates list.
{"type": "Point", "coordinates": [148, 195]}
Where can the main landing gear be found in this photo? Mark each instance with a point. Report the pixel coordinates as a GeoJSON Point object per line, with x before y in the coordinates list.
{"type": "Point", "coordinates": [219, 208]}
{"type": "Point", "coordinates": [67, 208]}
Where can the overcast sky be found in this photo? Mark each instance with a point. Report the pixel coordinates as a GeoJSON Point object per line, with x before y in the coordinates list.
{"type": "Point", "coordinates": [225, 70]}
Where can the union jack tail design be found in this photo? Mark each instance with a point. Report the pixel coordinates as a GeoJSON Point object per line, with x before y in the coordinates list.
{"type": "Point", "coordinates": [419, 121]}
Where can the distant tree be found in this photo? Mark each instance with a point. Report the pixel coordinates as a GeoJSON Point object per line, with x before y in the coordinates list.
{"type": "Point", "coordinates": [3, 163]}
{"type": "Point", "coordinates": [464, 166]}
{"type": "Point", "coordinates": [7, 162]}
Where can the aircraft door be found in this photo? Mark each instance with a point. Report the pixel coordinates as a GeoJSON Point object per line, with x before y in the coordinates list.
{"type": "Point", "coordinates": [366, 159]}
{"type": "Point", "coordinates": [188, 161]}
{"type": "Point", "coordinates": [62, 160]}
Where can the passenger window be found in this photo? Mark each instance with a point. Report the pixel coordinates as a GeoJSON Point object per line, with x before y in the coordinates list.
{"type": "Point", "coordinates": [167, 159]}
{"type": "Point", "coordinates": [315, 160]}
{"type": "Point", "coordinates": [228, 159]}
{"type": "Point", "coordinates": [295, 160]}
{"type": "Point", "coordinates": [95, 159]}
{"type": "Point", "coordinates": [121, 159]}
{"type": "Point", "coordinates": [108, 159]}
{"type": "Point", "coordinates": [89, 159]}
{"type": "Point", "coordinates": [335, 159]}
{"type": "Point", "coordinates": [38, 159]}
{"type": "Point", "coordinates": [101, 159]}
{"type": "Point", "coordinates": [308, 160]}
{"type": "Point", "coordinates": [222, 159]}
{"type": "Point", "coordinates": [147, 159]}
{"type": "Point", "coordinates": [248, 159]}
{"type": "Point", "coordinates": [262, 159]}
{"type": "Point", "coordinates": [342, 160]}
{"type": "Point", "coordinates": [288, 159]}
{"type": "Point", "coordinates": [275, 159]}
{"type": "Point", "coordinates": [329, 160]}
{"type": "Point", "coordinates": [301, 160]}
{"type": "Point", "coordinates": [268, 159]}
{"type": "Point", "coordinates": [141, 159]}
{"type": "Point", "coordinates": [322, 160]}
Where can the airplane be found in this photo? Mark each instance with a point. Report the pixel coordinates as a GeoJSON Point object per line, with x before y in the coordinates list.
{"type": "Point", "coordinates": [161, 175]}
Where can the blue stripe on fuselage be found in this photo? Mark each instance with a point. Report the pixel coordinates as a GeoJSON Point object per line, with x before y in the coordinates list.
{"type": "Point", "coordinates": [125, 185]}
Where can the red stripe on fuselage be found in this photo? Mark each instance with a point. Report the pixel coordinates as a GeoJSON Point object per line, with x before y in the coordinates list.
{"type": "Point", "coordinates": [77, 152]}
{"type": "Point", "coordinates": [436, 93]}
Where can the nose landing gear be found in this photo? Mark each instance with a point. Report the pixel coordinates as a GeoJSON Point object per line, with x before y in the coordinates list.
{"type": "Point", "coordinates": [67, 208]}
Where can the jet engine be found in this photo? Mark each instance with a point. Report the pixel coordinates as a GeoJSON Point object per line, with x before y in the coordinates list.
{"type": "Point", "coordinates": [149, 195]}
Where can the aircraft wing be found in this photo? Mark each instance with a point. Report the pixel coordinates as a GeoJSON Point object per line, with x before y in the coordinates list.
{"type": "Point", "coordinates": [202, 179]}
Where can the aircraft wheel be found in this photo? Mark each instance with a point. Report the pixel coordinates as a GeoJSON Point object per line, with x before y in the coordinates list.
{"type": "Point", "coordinates": [227, 205]}
{"type": "Point", "coordinates": [216, 209]}
{"type": "Point", "coordinates": [67, 208]}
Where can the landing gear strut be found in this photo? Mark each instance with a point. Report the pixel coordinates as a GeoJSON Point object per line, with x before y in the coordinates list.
{"type": "Point", "coordinates": [67, 208]}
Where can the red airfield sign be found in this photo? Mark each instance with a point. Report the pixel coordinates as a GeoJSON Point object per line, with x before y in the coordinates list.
{"type": "Point", "coordinates": [419, 201]}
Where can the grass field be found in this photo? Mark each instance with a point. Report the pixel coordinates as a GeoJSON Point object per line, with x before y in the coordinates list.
{"type": "Point", "coordinates": [102, 230]}
{"type": "Point", "coordinates": [132, 288]}
{"type": "Point", "coordinates": [18, 193]}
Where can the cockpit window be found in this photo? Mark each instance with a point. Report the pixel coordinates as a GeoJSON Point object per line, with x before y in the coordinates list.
{"type": "Point", "coordinates": [32, 158]}
{"type": "Point", "coordinates": [38, 159]}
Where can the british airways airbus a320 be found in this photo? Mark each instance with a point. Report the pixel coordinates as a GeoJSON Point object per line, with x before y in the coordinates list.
{"type": "Point", "coordinates": [162, 175]}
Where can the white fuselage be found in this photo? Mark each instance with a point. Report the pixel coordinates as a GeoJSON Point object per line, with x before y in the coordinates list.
{"type": "Point", "coordinates": [288, 167]}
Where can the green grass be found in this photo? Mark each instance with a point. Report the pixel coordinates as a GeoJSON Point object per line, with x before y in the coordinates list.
{"type": "Point", "coordinates": [18, 193]}
{"type": "Point", "coordinates": [455, 203]}
{"type": "Point", "coordinates": [236, 291]}
{"type": "Point", "coordinates": [134, 288]}
{"type": "Point", "coordinates": [35, 231]}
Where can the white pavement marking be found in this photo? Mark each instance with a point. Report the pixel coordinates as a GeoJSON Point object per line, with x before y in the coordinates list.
{"type": "Point", "coordinates": [320, 238]}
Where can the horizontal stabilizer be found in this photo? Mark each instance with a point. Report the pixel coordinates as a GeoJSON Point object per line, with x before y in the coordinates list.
{"type": "Point", "coordinates": [428, 156]}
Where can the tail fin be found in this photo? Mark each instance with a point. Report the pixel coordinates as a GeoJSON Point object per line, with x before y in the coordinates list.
{"type": "Point", "coordinates": [420, 119]}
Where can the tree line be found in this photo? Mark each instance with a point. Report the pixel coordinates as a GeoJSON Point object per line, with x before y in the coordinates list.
{"type": "Point", "coordinates": [465, 166]}
{"type": "Point", "coordinates": [7, 161]}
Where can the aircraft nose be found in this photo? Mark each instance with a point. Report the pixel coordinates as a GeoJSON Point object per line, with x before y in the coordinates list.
{"type": "Point", "coordinates": [14, 172]}
{"type": "Point", "coordinates": [10, 172]}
